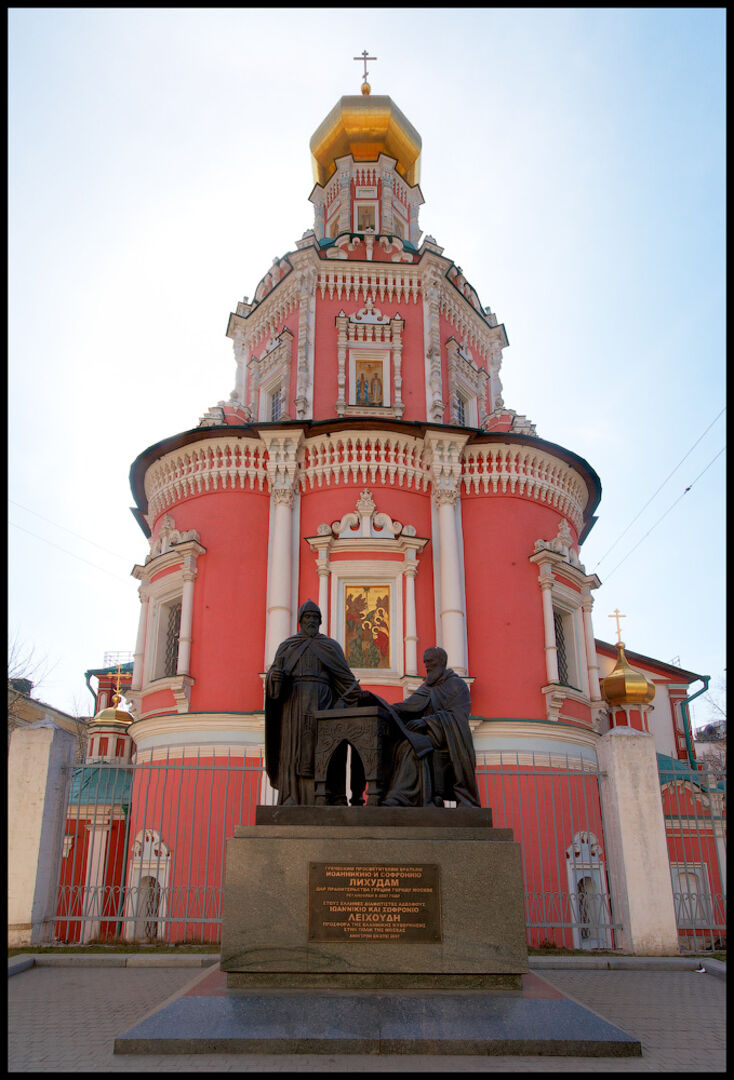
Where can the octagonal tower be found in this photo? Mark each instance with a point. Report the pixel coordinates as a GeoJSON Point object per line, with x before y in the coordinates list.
{"type": "Point", "coordinates": [365, 459]}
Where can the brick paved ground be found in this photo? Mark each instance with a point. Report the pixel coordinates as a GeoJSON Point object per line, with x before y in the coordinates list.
{"type": "Point", "coordinates": [65, 1019]}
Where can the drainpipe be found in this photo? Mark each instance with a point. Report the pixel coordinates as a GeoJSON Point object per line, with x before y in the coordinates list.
{"type": "Point", "coordinates": [705, 679]}
{"type": "Point", "coordinates": [87, 676]}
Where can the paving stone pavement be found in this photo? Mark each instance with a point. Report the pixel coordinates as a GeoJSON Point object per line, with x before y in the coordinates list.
{"type": "Point", "coordinates": [64, 1019]}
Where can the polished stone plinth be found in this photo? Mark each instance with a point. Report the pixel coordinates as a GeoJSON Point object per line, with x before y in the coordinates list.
{"type": "Point", "coordinates": [469, 932]}
{"type": "Point", "coordinates": [207, 1018]}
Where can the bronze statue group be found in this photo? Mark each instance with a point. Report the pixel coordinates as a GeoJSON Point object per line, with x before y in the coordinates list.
{"type": "Point", "coordinates": [432, 758]}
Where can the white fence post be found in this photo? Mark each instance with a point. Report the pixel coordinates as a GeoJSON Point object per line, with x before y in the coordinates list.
{"type": "Point", "coordinates": [635, 842]}
{"type": "Point", "coordinates": [36, 820]}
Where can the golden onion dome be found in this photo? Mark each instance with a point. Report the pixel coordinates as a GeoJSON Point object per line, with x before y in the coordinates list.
{"type": "Point", "coordinates": [365, 127]}
{"type": "Point", "coordinates": [624, 685]}
{"type": "Point", "coordinates": [113, 715]}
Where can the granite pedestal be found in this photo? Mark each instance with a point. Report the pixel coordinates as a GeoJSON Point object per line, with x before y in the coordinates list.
{"type": "Point", "coordinates": [374, 930]}
{"type": "Point", "coordinates": [373, 897]}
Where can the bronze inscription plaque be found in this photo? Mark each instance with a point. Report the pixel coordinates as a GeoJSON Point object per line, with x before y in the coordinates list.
{"type": "Point", "coordinates": [374, 902]}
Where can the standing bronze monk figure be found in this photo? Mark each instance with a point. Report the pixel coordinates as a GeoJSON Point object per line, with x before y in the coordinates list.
{"type": "Point", "coordinates": [309, 673]}
{"type": "Point", "coordinates": [439, 709]}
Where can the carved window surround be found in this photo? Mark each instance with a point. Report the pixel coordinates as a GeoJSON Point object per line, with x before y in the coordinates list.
{"type": "Point", "coordinates": [168, 577]}
{"type": "Point", "coordinates": [572, 604]}
{"type": "Point", "coordinates": [361, 335]}
{"type": "Point", "coordinates": [467, 381]}
{"type": "Point", "coordinates": [366, 530]}
{"type": "Point", "coordinates": [272, 371]}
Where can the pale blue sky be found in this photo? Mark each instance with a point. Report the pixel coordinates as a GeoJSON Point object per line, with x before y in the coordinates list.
{"type": "Point", "coordinates": [573, 166]}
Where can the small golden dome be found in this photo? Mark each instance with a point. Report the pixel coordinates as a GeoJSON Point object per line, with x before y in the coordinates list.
{"type": "Point", "coordinates": [366, 127]}
{"type": "Point", "coordinates": [624, 685]}
{"type": "Point", "coordinates": [113, 715]}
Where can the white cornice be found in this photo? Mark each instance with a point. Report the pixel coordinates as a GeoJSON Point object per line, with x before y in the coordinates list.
{"type": "Point", "coordinates": [197, 728]}
{"type": "Point", "coordinates": [508, 731]}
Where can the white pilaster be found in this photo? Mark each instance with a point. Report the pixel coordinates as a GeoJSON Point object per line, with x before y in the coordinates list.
{"type": "Point", "coordinates": [37, 758]}
{"type": "Point", "coordinates": [636, 845]}
{"type": "Point", "coordinates": [444, 453]}
{"type": "Point", "coordinates": [411, 632]}
{"type": "Point", "coordinates": [94, 881]}
{"type": "Point", "coordinates": [551, 651]}
{"type": "Point", "coordinates": [279, 614]}
{"type": "Point", "coordinates": [137, 679]}
{"type": "Point", "coordinates": [283, 448]}
{"type": "Point", "coordinates": [187, 616]}
{"type": "Point", "coordinates": [592, 659]}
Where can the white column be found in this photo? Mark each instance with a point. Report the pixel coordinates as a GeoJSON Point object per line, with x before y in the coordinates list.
{"type": "Point", "coordinates": [282, 463]}
{"type": "Point", "coordinates": [580, 649]}
{"type": "Point", "coordinates": [279, 615]}
{"type": "Point", "coordinates": [452, 606]}
{"type": "Point", "coordinates": [591, 657]}
{"type": "Point", "coordinates": [323, 572]}
{"type": "Point", "coordinates": [444, 453]}
{"type": "Point", "coordinates": [187, 615]}
{"type": "Point", "coordinates": [37, 760]}
{"type": "Point", "coordinates": [551, 652]}
{"type": "Point", "coordinates": [635, 844]}
{"type": "Point", "coordinates": [94, 881]}
{"type": "Point", "coordinates": [137, 680]}
{"type": "Point", "coordinates": [411, 632]}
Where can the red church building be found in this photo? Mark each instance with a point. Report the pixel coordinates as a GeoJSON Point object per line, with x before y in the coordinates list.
{"type": "Point", "coordinates": [366, 459]}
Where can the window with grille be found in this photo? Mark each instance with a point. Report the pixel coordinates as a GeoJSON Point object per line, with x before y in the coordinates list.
{"type": "Point", "coordinates": [276, 403]}
{"type": "Point", "coordinates": [173, 631]}
{"type": "Point", "coordinates": [365, 218]}
{"type": "Point", "coordinates": [561, 652]}
{"type": "Point", "coordinates": [460, 410]}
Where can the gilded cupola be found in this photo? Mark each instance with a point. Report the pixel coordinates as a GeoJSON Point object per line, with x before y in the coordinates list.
{"type": "Point", "coordinates": [625, 685]}
{"type": "Point", "coordinates": [366, 126]}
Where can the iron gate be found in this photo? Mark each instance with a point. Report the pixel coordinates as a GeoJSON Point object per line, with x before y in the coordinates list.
{"type": "Point", "coordinates": [694, 808]}
{"type": "Point", "coordinates": [144, 845]}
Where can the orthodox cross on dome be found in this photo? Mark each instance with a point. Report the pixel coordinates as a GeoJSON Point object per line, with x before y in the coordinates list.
{"type": "Point", "coordinates": [364, 58]}
{"type": "Point", "coordinates": [117, 696]}
{"type": "Point", "coordinates": [618, 615]}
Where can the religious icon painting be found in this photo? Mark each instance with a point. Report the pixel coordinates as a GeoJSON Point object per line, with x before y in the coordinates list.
{"type": "Point", "coordinates": [368, 388]}
{"type": "Point", "coordinates": [367, 625]}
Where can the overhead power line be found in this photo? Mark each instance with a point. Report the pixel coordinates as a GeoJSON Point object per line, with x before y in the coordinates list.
{"type": "Point", "coordinates": [69, 553]}
{"type": "Point", "coordinates": [660, 488]}
{"type": "Point", "coordinates": [71, 531]}
{"type": "Point", "coordinates": [684, 492]}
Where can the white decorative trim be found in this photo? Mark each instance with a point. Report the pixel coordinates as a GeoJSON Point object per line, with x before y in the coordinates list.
{"type": "Point", "coordinates": [158, 593]}
{"type": "Point", "coordinates": [370, 531]}
{"type": "Point", "coordinates": [469, 382]}
{"type": "Point", "coordinates": [367, 522]}
{"type": "Point", "coordinates": [363, 457]}
{"type": "Point", "coordinates": [229, 462]}
{"type": "Point", "coordinates": [555, 696]}
{"type": "Point", "coordinates": [504, 469]}
{"type": "Point", "coordinates": [167, 536]}
{"type": "Point", "coordinates": [513, 735]}
{"type": "Point", "coordinates": [368, 335]}
{"type": "Point", "coordinates": [155, 734]}
{"type": "Point", "coordinates": [562, 544]}
{"type": "Point", "coordinates": [179, 685]}
{"type": "Point", "coordinates": [357, 281]}
{"type": "Point", "coordinates": [270, 372]}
